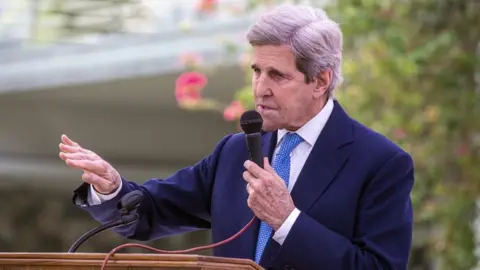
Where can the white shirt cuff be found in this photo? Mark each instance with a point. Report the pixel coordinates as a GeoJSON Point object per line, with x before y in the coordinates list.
{"type": "Point", "coordinates": [282, 232]}
{"type": "Point", "coordinates": [95, 198]}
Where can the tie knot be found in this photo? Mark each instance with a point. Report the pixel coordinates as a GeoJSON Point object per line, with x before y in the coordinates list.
{"type": "Point", "coordinates": [289, 142]}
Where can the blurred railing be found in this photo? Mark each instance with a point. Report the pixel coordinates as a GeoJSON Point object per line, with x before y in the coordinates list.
{"type": "Point", "coordinates": [56, 42]}
{"type": "Point", "coordinates": [85, 21]}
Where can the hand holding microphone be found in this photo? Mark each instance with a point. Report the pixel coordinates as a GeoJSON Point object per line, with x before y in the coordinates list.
{"type": "Point", "coordinates": [268, 196]}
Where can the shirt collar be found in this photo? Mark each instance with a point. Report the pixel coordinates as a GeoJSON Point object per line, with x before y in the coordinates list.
{"type": "Point", "coordinates": [312, 129]}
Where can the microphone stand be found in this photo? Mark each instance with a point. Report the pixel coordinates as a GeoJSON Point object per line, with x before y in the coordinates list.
{"type": "Point", "coordinates": [123, 220]}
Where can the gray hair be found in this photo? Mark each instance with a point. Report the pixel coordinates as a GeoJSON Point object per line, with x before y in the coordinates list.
{"type": "Point", "coordinates": [313, 37]}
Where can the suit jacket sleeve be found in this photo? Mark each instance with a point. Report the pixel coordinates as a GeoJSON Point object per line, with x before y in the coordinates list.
{"type": "Point", "coordinates": [177, 204]}
{"type": "Point", "coordinates": [383, 233]}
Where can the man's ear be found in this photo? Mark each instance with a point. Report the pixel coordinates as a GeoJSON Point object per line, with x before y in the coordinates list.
{"type": "Point", "coordinates": [322, 82]}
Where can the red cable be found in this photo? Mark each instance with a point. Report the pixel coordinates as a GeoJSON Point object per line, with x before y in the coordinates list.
{"type": "Point", "coordinates": [113, 251]}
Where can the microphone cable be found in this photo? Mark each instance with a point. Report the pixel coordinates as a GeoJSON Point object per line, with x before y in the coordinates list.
{"type": "Point", "coordinates": [116, 249]}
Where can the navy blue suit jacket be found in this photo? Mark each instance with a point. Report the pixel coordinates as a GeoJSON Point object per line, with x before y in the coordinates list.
{"type": "Point", "coordinates": [353, 194]}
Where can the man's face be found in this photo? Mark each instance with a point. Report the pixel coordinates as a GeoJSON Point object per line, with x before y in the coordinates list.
{"type": "Point", "coordinates": [282, 97]}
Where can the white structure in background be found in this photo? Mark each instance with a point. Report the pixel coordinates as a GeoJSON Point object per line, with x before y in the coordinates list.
{"type": "Point", "coordinates": [27, 19]}
{"type": "Point", "coordinates": [23, 19]}
{"type": "Point", "coordinates": [15, 19]}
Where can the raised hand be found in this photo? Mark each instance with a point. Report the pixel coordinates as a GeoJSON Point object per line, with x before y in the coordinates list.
{"type": "Point", "coordinates": [96, 171]}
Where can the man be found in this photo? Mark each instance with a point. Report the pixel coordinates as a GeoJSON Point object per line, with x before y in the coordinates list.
{"type": "Point", "coordinates": [336, 195]}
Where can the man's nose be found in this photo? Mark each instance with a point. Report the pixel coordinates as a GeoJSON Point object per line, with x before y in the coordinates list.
{"type": "Point", "coordinates": [263, 87]}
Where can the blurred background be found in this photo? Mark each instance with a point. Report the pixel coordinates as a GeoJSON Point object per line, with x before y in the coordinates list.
{"type": "Point", "coordinates": [132, 79]}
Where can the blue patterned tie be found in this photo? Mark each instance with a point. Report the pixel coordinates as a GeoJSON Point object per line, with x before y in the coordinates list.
{"type": "Point", "coordinates": [281, 165]}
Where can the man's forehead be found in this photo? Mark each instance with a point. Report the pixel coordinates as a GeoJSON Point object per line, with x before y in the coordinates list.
{"type": "Point", "coordinates": [273, 64]}
{"type": "Point", "coordinates": [266, 54]}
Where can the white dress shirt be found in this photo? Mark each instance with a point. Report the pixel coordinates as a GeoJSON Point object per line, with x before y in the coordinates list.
{"type": "Point", "coordinates": [309, 133]}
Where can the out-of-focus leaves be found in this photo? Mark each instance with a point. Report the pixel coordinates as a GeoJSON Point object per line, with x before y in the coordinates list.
{"type": "Point", "coordinates": [415, 73]}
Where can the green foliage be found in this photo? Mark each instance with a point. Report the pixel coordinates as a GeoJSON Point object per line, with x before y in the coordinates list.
{"type": "Point", "coordinates": [409, 69]}
{"type": "Point", "coordinates": [409, 72]}
{"type": "Point", "coordinates": [245, 94]}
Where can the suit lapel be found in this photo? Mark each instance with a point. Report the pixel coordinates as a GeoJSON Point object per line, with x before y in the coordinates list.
{"type": "Point", "coordinates": [325, 160]}
{"type": "Point", "coordinates": [269, 141]}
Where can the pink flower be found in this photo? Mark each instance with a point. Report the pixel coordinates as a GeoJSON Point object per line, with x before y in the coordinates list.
{"type": "Point", "coordinates": [399, 134]}
{"type": "Point", "coordinates": [206, 6]}
{"type": "Point", "coordinates": [233, 111]}
{"type": "Point", "coordinates": [462, 150]}
{"type": "Point", "coordinates": [188, 87]}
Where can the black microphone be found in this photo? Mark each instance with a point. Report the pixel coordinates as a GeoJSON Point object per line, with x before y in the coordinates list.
{"type": "Point", "coordinates": [251, 123]}
{"type": "Point", "coordinates": [127, 207]}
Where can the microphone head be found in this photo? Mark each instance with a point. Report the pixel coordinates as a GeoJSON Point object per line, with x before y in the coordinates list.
{"type": "Point", "coordinates": [251, 122]}
{"type": "Point", "coordinates": [130, 201]}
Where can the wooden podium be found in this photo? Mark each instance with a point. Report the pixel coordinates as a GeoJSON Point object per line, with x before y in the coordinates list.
{"type": "Point", "coordinates": [119, 261]}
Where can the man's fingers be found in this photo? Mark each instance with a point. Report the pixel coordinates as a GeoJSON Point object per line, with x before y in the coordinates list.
{"type": "Point", "coordinates": [253, 183]}
{"type": "Point", "coordinates": [74, 149]}
{"type": "Point", "coordinates": [76, 156]}
{"type": "Point", "coordinates": [68, 148]}
{"type": "Point", "coordinates": [95, 166]}
{"type": "Point", "coordinates": [255, 170]}
{"type": "Point", "coordinates": [249, 188]}
{"type": "Point", "coordinates": [267, 166]}
{"type": "Point", "coordinates": [248, 177]}
{"type": "Point", "coordinates": [68, 141]}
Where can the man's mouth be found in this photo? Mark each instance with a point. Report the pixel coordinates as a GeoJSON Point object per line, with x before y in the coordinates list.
{"type": "Point", "coordinates": [265, 108]}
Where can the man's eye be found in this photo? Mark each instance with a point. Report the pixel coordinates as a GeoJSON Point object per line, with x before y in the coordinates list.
{"type": "Point", "coordinates": [276, 75]}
